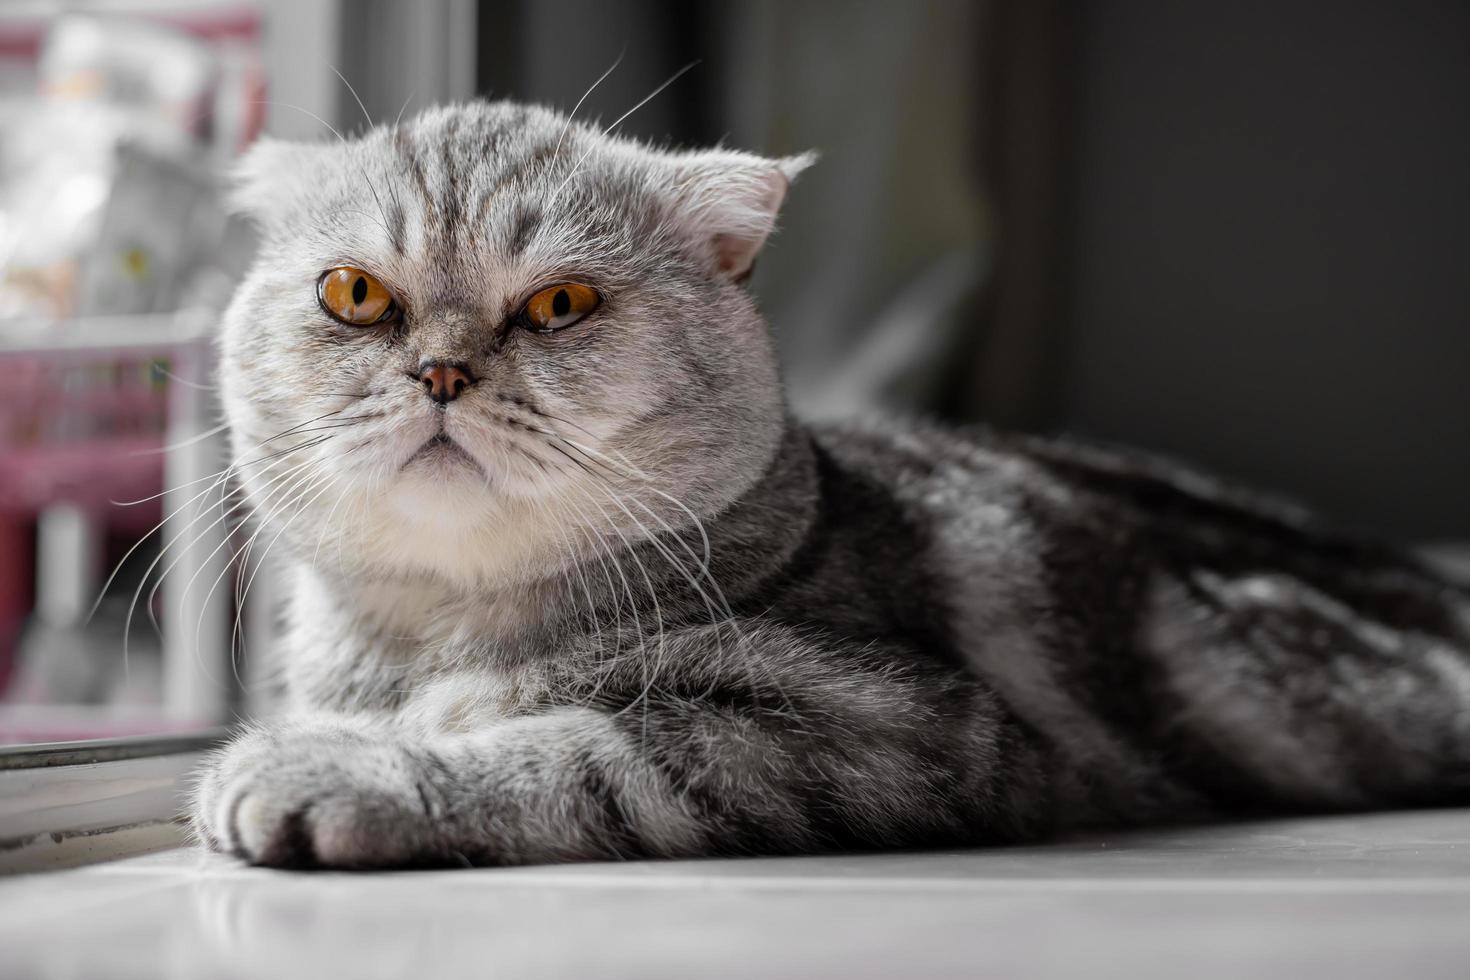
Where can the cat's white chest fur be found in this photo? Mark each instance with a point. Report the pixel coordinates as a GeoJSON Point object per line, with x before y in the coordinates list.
{"type": "Point", "coordinates": [418, 616]}
{"type": "Point", "coordinates": [442, 662]}
{"type": "Point", "coordinates": [441, 528]}
{"type": "Point", "coordinates": [465, 701]}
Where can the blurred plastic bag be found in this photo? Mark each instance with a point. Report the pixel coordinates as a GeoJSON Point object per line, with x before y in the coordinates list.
{"type": "Point", "coordinates": [107, 199]}
{"type": "Point", "coordinates": [132, 64]}
{"type": "Point", "coordinates": [160, 227]}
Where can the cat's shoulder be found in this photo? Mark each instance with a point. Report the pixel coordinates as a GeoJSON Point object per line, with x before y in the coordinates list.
{"type": "Point", "coordinates": [917, 449]}
{"type": "Point", "coordinates": [1071, 478]}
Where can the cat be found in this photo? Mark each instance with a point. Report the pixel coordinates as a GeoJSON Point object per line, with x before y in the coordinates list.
{"type": "Point", "coordinates": [568, 581]}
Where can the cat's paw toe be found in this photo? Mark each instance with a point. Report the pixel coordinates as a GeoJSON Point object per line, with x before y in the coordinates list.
{"type": "Point", "coordinates": [266, 833]}
{"type": "Point", "coordinates": [309, 803]}
{"type": "Point", "coordinates": [332, 827]}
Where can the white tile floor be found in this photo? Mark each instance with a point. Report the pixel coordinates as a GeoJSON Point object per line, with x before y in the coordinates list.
{"type": "Point", "coordinates": [1373, 896]}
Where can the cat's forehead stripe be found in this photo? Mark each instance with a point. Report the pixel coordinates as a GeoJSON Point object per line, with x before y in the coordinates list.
{"type": "Point", "coordinates": [467, 160]}
{"type": "Point", "coordinates": [452, 213]}
{"type": "Point", "coordinates": [397, 227]}
{"type": "Point", "coordinates": [538, 155]}
{"type": "Point", "coordinates": [523, 228]}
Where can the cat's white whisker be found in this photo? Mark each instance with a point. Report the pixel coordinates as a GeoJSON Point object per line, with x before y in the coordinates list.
{"type": "Point", "coordinates": [366, 116]}
{"type": "Point", "coordinates": [590, 89]}
{"type": "Point", "coordinates": [309, 465]}
{"type": "Point", "coordinates": [574, 559]}
{"type": "Point", "coordinates": [628, 594]}
{"type": "Point", "coordinates": [181, 444]}
{"type": "Point", "coordinates": [240, 562]}
{"type": "Point", "coordinates": [601, 550]}
{"type": "Point", "coordinates": [726, 617]}
{"type": "Point", "coordinates": [397, 119]}
{"type": "Point", "coordinates": [163, 553]}
{"type": "Point", "coordinates": [325, 483]}
{"type": "Point", "coordinates": [585, 527]}
{"type": "Point", "coordinates": [650, 669]}
{"type": "Point", "coordinates": [306, 112]}
{"type": "Point", "coordinates": [576, 168]}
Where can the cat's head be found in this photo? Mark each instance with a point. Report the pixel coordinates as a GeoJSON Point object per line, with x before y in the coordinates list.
{"type": "Point", "coordinates": [468, 339]}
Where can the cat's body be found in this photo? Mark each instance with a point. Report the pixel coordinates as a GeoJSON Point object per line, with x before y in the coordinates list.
{"type": "Point", "coordinates": [648, 613]}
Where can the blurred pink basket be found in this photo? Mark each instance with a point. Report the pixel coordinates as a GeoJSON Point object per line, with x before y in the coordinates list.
{"type": "Point", "coordinates": [88, 412]}
{"type": "Point", "coordinates": [86, 408]}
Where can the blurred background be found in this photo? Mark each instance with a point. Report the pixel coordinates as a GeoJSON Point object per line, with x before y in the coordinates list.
{"type": "Point", "coordinates": [1235, 233]}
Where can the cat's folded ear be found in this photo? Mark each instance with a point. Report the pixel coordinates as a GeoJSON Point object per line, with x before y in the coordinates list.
{"type": "Point", "coordinates": [264, 182]}
{"type": "Point", "coordinates": [728, 202]}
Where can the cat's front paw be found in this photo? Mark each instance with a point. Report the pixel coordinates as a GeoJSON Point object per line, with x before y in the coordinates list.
{"type": "Point", "coordinates": [320, 798]}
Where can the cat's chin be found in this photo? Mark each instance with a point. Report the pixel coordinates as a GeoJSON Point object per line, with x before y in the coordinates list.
{"type": "Point", "coordinates": [442, 456]}
{"type": "Point", "coordinates": [446, 485]}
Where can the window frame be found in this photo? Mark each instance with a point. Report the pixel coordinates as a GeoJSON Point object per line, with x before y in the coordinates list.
{"type": "Point", "coordinates": [67, 803]}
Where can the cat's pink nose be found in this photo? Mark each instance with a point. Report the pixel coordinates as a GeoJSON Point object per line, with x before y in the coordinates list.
{"type": "Point", "coordinates": [445, 382]}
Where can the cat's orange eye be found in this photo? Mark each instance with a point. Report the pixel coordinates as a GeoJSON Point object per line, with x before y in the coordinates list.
{"type": "Point", "coordinates": [559, 306]}
{"type": "Point", "coordinates": [354, 297]}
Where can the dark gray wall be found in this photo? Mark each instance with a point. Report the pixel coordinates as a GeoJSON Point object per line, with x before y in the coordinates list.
{"type": "Point", "coordinates": [1270, 252]}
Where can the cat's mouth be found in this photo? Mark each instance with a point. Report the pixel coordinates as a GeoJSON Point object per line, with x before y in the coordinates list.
{"type": "Point", "coordinates": [441, 450]}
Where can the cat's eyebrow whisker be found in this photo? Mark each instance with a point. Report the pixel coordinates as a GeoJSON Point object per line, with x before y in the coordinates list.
{"type": "Point", "coordinates": [592, 88]}
{"type": "Point", "coordinates": [342, 139]}
{"type": "Point", "coordinates": [307, 112]}
{"type": "Point", "coordinates": [382, 217]}
{"type": "Point", "coordinates": [650, 96]}
{"type": "Point", "coordinates": [399, 118]}
{"type": "Point", "coordinates": [365, 115]}
{"type": "Point", "coordinates": [577, 167]}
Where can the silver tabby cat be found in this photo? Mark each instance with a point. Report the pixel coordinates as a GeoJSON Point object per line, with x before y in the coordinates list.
{"type": "Point", "coordinates": [567, 581]}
